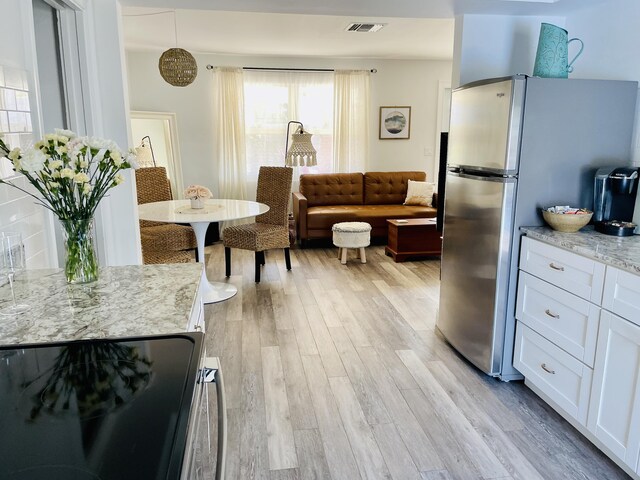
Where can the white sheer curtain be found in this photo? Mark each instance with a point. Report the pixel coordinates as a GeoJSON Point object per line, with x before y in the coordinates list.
{"type": "Point", "coordinates": [229, 132]}
{"type": "Point", "coordinates": [272, 99]}
{"type": "Point", "coordinates": [351, 121]}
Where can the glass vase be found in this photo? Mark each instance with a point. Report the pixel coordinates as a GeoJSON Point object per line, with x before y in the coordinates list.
{"type": "Point", "coordinates": [81, 261]}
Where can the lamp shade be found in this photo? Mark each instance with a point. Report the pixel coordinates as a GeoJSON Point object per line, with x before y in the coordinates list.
{"type": "Point", "coordinates": [178, 67]}
{"type": "Point", "coordinates": [301, 151]}
{"type": "Point", "coordinates": [144, 156]}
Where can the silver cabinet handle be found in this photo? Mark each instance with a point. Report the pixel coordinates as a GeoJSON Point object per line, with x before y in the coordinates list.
{"type": "Point", "coordinates": [550, 314]}
{"type": "Point", "coordinates": [556, 267]}
{"type": "Point", "coordinates": [547, 369]}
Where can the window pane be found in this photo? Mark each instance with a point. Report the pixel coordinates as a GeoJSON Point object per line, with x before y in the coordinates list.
{"type": "Point", "coordinates": [272, 99]}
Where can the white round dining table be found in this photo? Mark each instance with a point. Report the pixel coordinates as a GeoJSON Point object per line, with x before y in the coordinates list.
{"type": "Point", "coordinates": [215, 210]}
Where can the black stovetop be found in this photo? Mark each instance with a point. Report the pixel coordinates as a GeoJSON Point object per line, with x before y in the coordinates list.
{"type": "Point", "coordinates": [97, 409]}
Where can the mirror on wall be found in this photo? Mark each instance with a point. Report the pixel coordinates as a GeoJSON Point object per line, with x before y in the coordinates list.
{"type": "Point", "coordinates": [156, 138]}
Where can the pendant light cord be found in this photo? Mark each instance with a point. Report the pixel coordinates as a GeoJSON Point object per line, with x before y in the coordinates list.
{"type": "Point", "coordinates": [175, 28]}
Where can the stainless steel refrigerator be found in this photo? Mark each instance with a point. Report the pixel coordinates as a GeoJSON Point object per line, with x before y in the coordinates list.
{"type": "Point", "coordinates": [516, 144]}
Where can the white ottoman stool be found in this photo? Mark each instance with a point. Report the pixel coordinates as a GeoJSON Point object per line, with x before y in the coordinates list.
{"type": "Point", "coordinates": [351, 235]}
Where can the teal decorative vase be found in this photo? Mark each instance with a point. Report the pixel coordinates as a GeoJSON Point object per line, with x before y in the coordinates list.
{"type": "Point", "coordinates": [552, 54]}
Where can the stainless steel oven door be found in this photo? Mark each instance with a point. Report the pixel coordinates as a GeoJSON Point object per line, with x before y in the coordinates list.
{"type": "Point", "coordinates": [202, 458]}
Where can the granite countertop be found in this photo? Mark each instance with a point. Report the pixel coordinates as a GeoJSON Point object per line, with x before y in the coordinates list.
{"type": "Point", "coordinates": [125, 301]}
{"type": "Point", "coordinates": [621, 252]}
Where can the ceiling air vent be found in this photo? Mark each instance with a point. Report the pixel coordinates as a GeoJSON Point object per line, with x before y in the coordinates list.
{"type": "Point", "coordinates": [364, 27]}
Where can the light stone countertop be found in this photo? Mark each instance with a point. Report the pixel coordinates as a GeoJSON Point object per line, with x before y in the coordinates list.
{"type": "Point", "coordinates": [125, 301]}
{"type": "Point", "coordinates": [621, 252]}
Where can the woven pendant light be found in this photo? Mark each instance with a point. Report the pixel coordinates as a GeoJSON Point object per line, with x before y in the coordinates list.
{"type": "Point", "coordinates": [176, 65]}
{"type": "Point", "coordinates": [301, 151]}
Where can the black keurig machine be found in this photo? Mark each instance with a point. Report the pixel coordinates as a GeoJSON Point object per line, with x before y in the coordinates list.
{"type": "Point", "coordinates": [615, 193]}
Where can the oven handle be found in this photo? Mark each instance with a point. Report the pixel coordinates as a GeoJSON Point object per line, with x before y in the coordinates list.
{"type": "Point", "coordinates": [212, 366]}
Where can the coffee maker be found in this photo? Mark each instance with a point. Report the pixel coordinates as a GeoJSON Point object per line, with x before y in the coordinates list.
{"type": "Point", "coordinates": [615, 191]}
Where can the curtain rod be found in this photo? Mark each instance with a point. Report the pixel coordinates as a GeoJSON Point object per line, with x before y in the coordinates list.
{"type": "Point", "coordinates": [211, 67]}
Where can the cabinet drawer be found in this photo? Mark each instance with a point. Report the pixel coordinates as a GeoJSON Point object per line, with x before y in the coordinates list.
{"type": "Point", "coordinates": [622, 294]}
{"type": "Point", "coordinates": [554, 372]}
{"type": "Point", "coordinates": [579, 275]}
{"type": "Point", "coordinates": [566, 320]}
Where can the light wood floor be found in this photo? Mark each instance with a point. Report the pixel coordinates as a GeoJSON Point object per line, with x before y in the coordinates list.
{"type": "Point", "coordinates": [336, 372]}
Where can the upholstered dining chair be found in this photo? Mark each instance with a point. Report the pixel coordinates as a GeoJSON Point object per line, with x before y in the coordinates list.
{"type": "Point", "coordinates": [271, 229]}
{"type": "Point", "coordinates": [161, 242]}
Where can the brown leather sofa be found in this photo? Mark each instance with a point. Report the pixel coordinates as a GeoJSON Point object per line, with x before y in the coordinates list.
{"type": "Point", "coordinates": [372, 197]}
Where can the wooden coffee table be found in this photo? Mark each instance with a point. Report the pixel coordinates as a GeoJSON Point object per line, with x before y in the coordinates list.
{"type": "Point", "coordinates": [413, 238]}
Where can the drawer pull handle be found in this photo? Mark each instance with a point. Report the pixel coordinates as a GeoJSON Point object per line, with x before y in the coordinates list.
{"type": "Point", "coordinates": [550, 314]}
{"type": "Point", "coordinates": [556, 267]}
{"type": "Point", "coordinates": [547, 369]}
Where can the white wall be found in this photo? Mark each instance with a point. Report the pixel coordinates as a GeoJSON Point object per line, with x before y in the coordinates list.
{"type": "Point", "coordinates": [487, 46]}
{"type": "Point", "coordinates": [611, 37]}
{"type": "Point", "coordinates": [413, 83]}
{"type": "Point", "coordinates": [18, 213]}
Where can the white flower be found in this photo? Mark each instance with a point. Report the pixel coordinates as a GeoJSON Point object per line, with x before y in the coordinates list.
{"type": "Point", "coordinates": [50, 137]}
{"type": "Point", "coordinates": [14, 154]}
{"type": "Point", "coordinates": [131, 158]}
{"type": "Point", "coordinates": [86, 188]}
{"type": "Point", "coordinates": [116, 157]}
{"type": "Point", "coordinates": [99, 143]}
{"type": "Point", "coordinates": [55, 174]}
{"type": "Point", "coordinates": [53, 185]}
{"type": "Point", "coordinates": [33, 160]}
{"type": "Point", "coordinates": [67, 173]}
{"type": "Point", "coordinates": [119, 179]}
{"type": "Point", "coordinates": [65, 133]}
{"type": "Point", "coordinates": [83, 163]}
{"type": "Point", "coordinates": [81, 177]}
{"type": "Point", "coordinates": [61, 150]}
{"type": "Point", "coordinates": [55, 164]}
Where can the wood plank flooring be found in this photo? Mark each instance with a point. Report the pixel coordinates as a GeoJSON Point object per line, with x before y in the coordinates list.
{"type": "Point", "coordinates": [336, 372]}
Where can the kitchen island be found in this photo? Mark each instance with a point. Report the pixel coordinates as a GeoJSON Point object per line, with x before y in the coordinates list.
{"type": "Point", "coordinates": [125, 301]}
{"type": "Point", "coordinates": [578, 333]}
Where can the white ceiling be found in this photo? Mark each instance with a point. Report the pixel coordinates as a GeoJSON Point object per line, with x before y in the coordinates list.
{"type": "Point", "coordinates": [417, 29]}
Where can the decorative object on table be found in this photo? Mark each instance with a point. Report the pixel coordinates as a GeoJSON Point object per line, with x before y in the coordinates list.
{"type": "Point", "coordinates": [301, 152]}
{"type": "Point", "coordinates": [395, 123]}
{"type": "Point", "coordinates": [197, 194]}
{"type": "Point", "coordinates": [161, 242]}
{"type": "Point", "coordinates": [176, 65]}
{"type": "Point", "coordinates": [12, 262]}
{"type": "Point", "coordinates": [566, 219]}
{"type": "Point", "coordinates": [271, 229]}
{"type": "Point", "coordinates": [144, 153]}
{"type": "Point", "coordinates": [351, 235]}
{"type": "Point", "coordinates": [420, 193]}
{"type": "Point", "coordinates": [71, 174]}
{"type": "Point", "coordinates": [552, 54]}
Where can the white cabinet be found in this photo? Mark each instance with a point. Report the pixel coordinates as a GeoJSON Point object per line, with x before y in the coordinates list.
{"type": "Point", "coordinates": [578, 344]}
{"type": "Point", "coordinates": [558, 312]}
{"type": "Point", "coordinates": [614, 411]}
{"type": "Point", "coordinates": [557, 374]}
{"type": "Point", "coordinates": [196, 318]}
{"type": "Point", "coordinates": [579, 275]}
{"type": "Point", "coordinates": [568, 321]}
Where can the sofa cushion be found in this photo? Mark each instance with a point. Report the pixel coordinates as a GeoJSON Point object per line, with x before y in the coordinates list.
{"type": "Point", "coordinates": [323, 217]}
{"type": "Point", "coordinates": [332, 189]}
{"type": "Point", "coordinates": [388, 188]}
{"type": "Point", "coordinates": [420, 193]}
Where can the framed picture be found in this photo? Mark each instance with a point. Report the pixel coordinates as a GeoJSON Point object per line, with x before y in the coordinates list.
{"type": "Point", "coordinates": [395, 123]}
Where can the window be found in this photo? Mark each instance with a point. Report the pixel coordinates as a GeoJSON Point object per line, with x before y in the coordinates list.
{"type": "Point", "coordinates": [271, 100]}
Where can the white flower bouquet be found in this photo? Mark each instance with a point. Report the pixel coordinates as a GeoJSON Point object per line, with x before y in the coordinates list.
{"type": "Point", "coordinates": [197, 194]}
{"type": "Point", "coordinates": [71, 175]}
{"type": "Point", "coordinates": [197, 191]}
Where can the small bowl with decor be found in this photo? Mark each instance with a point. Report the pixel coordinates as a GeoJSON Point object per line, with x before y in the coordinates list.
{"type": "Point", "coordinates": [566, 219]}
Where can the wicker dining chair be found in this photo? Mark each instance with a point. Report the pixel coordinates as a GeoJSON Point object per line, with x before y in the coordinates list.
{"type": "Point", "coordinates": [161, 242]}
{"type": "Point", "coordinates": [271, 229]}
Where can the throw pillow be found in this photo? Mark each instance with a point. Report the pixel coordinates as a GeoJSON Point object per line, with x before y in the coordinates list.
{"type": "Point", "coordinates": [419, 193]}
